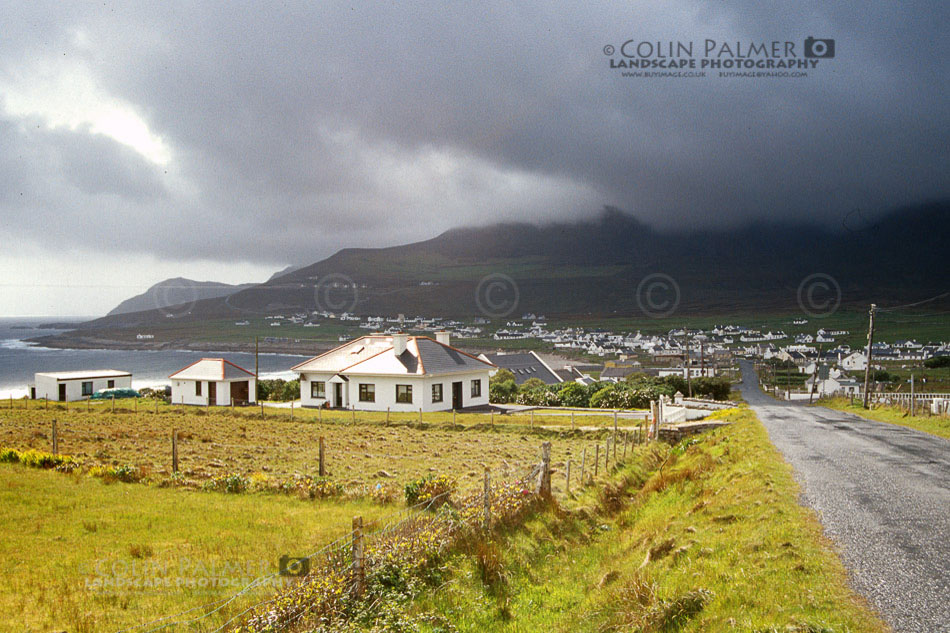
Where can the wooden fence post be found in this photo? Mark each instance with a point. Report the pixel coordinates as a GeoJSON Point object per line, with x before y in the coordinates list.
{"type": "Point", "coordinates": [156, 406]}
{"type": "Point", "coordinates": [174, 450]}
{"type": "Point", "coordinates": [262, 410]}
{"type": "Point", "coordinates": [136, 406]}
{"type": "Point", "coordinates": [625, 441]}
{"type": "Point", "coordinates": [486, 500]}
{"type": "Point", "coordinates": [113, 404]}
{"type": "Point", "coordinates": [387, 415]}
{"type": "Point", "coordinates": [567, 477]}
{"type": "Point", "coordinates": [323, 468]}
{"type": "Point", "coordinates": [353, 411]}
{"type": "Point", "coordinates": [572, 420]}
{"type": "Point", "coordinates": [583, 466]}
{"type": "Point", "coordinates": [420, 415]}
{"type": "Point", "coordinates": [55, 439]}
{"type": "Point", "coordinates": [46, 408]}
{"type": "Point", "coordinates": [532, 417]}
{"type": "Point", "coordinates": [453, 417]}
{"type": "Point", "coordinates": [544, 481]}
{"type": "Point", "coordinates": [291, 410]}
{"type": "Point", "coordinates": [232, 405]}
{"type": "Point", "coordinates": [607, 457]}
{"type": "Point", "coordinates": [359, 572]}
{"type": "Point", "coordinates": [596, 459]}
{"type": "Point", "coordinates": [493, 417]}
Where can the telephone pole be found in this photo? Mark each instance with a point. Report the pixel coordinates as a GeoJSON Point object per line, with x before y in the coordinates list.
{"type": "Point", "coordinates": [867, 369]}
{"type": "Point", "coordinates": [257, 369]}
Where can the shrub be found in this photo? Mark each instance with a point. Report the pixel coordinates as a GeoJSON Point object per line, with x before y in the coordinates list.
{"type": "Point", "coordinates": [428, 488]}
{"type": "Point", "coordinates": [539, 397]}
{"type": "Point", "coordinates": [574, 394]}
{"type": "Point", "coordinates": [232, 483]}
{"type": "Point", "coordinates": [127, 473]}
{"type": "Point", "coordinates": [9, 455]}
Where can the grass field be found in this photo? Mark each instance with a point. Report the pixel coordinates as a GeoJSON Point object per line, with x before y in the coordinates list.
{"type": "Point", "coordinates": [935, 425]}
{"type": "Point", "coordinates": [715, 541]}
{"type": "Point", "coordinates": [365, 452]}
{"type": "Point", "coordinates": [73, 547]}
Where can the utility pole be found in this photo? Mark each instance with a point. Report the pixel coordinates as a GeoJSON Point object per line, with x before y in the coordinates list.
{"type": "Point", "coordinates": [257, 369]}
{"type": "Point", "coordinates": [814, 383]}
{"type": "Point", "coordinates": [867, 369]}
{"type": "Point", "coordinates": [689, 384]}
{"type": "Point", "coordinates": [702, 359]}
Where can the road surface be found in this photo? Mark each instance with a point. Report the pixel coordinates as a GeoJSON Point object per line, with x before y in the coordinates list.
{"type": "Point", "coordinates": [882, 493]}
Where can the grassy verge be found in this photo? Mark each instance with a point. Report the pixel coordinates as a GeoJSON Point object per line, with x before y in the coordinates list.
{"type": "Point", "coordinates": [715, 540]}
{"type": "Point", "coordinates": [935, 425]}
{"type": "Point", "coordinates": [84, 556]}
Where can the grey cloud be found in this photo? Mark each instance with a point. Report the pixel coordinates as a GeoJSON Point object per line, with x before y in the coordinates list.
{"type": "Point", "coordinates": [300, 129]}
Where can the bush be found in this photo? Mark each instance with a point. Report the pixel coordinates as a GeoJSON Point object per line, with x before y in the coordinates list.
{"type": "Point", "coordinates": [127, 474]}
{"type": "Point", "coordinates": [502, 392]}
{"type": "Point", "coordinates": [539, 396]}
{"type": "Point", "coordinates": [428, 488]}
{"type": "Point", "coordinates": [232, 483]}
{"type": "Point", "coordinates": [278, 389]}
{"type": "Point", "coordinates": [574, 394]}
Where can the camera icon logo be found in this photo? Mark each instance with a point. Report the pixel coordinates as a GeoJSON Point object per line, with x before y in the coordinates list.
{"type": "Point", "coordinates": [294, 566]}
{"type": "Point", "coordinates": [819, 48]}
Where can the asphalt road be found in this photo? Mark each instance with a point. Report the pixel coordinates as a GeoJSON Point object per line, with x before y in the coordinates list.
{"type": "Point", "coordinates": [882, 493]}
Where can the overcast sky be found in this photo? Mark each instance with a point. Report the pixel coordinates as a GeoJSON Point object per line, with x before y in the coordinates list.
{"type": "Point", "coordinates": [223, 141]}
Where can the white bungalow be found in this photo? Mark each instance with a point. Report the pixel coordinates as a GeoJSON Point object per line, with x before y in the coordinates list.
{"type": "Point", "coordinates": [68, 386]}
{"type": "Point", "coordinates": [213, 381]}
{"type": "Point", "coordinates": [395, 372]}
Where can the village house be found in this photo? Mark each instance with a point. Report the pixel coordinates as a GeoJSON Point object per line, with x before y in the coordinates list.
{"type": "Point", "coordinates": [69, 386]}
{"type": "Point", "coordinates": [395, 372]}
{"type": "Point", "coordinates": [213, 382]}
{"type": "Point", "coordinates": [523, 366]}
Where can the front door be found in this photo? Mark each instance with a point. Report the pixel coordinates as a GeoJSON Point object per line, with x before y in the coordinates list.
{"type": "Point", "coordinates": [337, 394]}
{"type": "Point", "coordinates": [62, 392]}
{"type": "Point", "coordinates": [212, 393]}
{"type": "Point", "coordinates": [456, 395]}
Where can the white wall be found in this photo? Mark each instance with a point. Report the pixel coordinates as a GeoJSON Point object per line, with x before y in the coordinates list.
{"type": "Point", "coordinates": [48, 386]}
{"type": "Point", "coordinates": [183, 392]}
{"type": "Point", "coordinates": [385, 391]}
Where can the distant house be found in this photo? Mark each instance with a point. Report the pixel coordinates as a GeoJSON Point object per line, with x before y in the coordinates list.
{"type": "Point", "coordinates": [68, 386]}
{"type": "Point", "coordinates": [855, 361]}
{"type": "Point", "coordinates": [395, 372]}
{"type": "Point", "coordinates": [214, 382]}
{"type": "Point", "coordinates": [524, 367]}
{"type": "Point", "coordinates": [831, 383]}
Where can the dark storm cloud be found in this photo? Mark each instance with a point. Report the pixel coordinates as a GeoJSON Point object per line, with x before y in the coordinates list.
{"type": "Point", "coordinates": [295, 130]}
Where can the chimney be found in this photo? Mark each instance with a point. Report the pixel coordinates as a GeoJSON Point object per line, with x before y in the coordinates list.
{"type": "Point", "coordinates": [399, 342]}
{"type": "Point", "coordinates": [443, 336]}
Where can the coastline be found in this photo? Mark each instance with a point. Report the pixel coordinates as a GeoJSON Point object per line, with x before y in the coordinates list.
{"type": "Point", "coordinates": [87, 342]}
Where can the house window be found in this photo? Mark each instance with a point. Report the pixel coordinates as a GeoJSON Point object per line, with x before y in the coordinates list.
{"type": "Point", "coordinates": [367, 392]}
{"type": "Point", "coordinates": [110, 384]}
{"type": "Point", "coordinates": [437, 393]}
{"type": "Point", "coordinates": [318, 389]}
{"type": "Point", "coordinates": [404, 394]}
{"type": "Point", "coordinates": [197, 387]}
{"type": "Point", "coordinates": [87, 388]}
{"type": "Point", "coordinates": [476, 388]}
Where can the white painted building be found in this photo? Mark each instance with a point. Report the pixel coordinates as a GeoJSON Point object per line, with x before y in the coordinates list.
{"type": "Point", "coordinates": [214, 382]}
{"type": "Point", "coordinates": [68, 386]}
{"type": "Point", "coordinates": [397, 372]}
{"type": "Point", "coordinates": [855, 361]}
{"type": "Point", "coordinates": [695, 371]}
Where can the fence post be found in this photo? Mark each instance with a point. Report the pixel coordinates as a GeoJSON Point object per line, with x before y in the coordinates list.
{"type": "Point", "coordinates": [262, 410]}
{"type": "Point", "coordinates": [232, 404]}
{"type": "Point", "coordinates": [46, 408]}
{"type": "Point", "coordinates": [136, 406]}
{"type": "Point", "coordinates": [625, 445]}
{"type": "Point", "coordinates": [572, 420]}
{"type": "Point", "coordinates": [486, 500]}
{"type": "Point", "coordinates": [353, 411]}
{"type": "Point", "coordinates": [596, 459]}
{"type": "Point", "coordinates": [614, 444]}
{"type": "Point", "coordinates": [291, 410]}
{"type": "Point", "coordinates": [156, 406]}
{"type": "Point", "coordinates": [567, 477]}
{"type": "Point", "coordinates": [113, 404]}
{"type": "Point", "coordinates": [322, 469]}
{"type": "Point", "coordinates": [420, 415]}
{"type": "Point", "coordinates": [607, 457]}
{"type": "Point", "coordinates": [544, 482]}
{"type": "Point", "coordinates": [493, 417]}
{"type": "Point", "coordinates": [532, 417]}
{"type": "Point", "coordinates": [583, 465]}
{"type": "Point", "coordinates": [174, 450]}
{"type": "Point", "coordinates": [359, 573]}
{"type": "Point", "coordinates": [55, 439]}
{"type": "Point", "coordinates": [453, 417]}
{"type": "Point", "coordinates": [387, 415]}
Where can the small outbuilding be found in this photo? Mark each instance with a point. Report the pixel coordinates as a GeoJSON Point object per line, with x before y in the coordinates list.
{"type": "Point", "coordinates": [69, 386]}
{"type": "Point", "coordinates": [213, 382]}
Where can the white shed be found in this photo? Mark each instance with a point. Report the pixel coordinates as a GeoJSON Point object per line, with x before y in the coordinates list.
{"type": "Point", "coordinates": [68, 386]}
{"type": "Point", "coordinates": [213, 381]}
